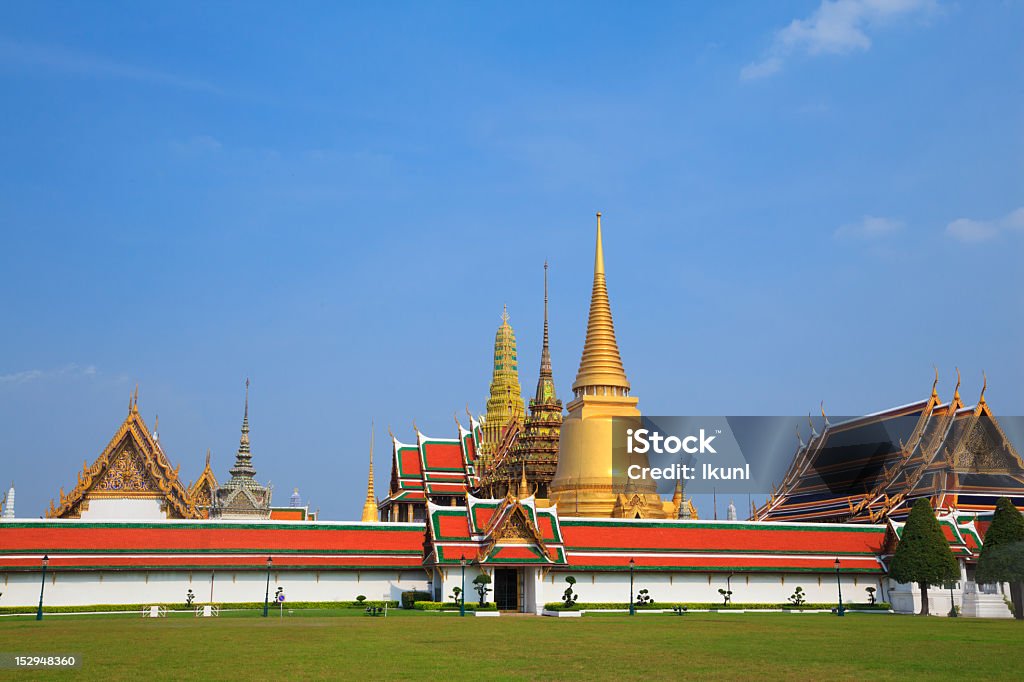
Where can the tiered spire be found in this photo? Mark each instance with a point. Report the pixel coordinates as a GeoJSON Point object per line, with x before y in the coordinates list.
{"type": "Point", "coordinates": [242, 496]}
{"type": "Point", "coordinates": [8, 503]}
{"type": "Point", "coordinates": [545, 382]}
{"type": "Point", "coordinates": [243, 458]}
{"type": "Point", "coordinates": [505, 404]}
{"type": "Point", "coordinates": [370, 506]}
{"type": "Point", "coordinates": [601, 371]}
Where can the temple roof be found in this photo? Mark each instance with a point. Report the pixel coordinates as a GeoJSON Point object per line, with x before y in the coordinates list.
{"type": "Point", "coordinates": [204, 489]}
{"type": "Point", "coordinates": [498, 531]}
{"type": "Point", "coordinates": [209, 545]}
{"type": "Point", "coordinates": [132, 464]}
{"type": "Point", "coordinates": [872, 467]}
{"type": "Point", "coordinates": [609, 544]}
{"type": "Point", "coordinates": [433, 466]}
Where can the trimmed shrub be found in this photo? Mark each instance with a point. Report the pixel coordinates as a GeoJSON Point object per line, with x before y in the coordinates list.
{"type": "Point", "coordinates": [448, 606]}
{"type": "Point", "coordinates": [410, 598]}
{"type": "Point", "coordinates": [623, 606]}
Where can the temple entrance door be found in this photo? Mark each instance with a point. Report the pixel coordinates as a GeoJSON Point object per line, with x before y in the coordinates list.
{"type": "Point", "coordinates": [506, 589]}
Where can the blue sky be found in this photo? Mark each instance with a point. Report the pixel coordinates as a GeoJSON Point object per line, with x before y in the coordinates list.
{"type": "Point", "coordinates": [802, 201]}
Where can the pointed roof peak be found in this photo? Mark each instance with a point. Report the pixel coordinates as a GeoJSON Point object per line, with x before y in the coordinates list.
{"type": "Point", "coordinates": [601, 363]}
{"type": "Point", "coordinates": [370, 505]}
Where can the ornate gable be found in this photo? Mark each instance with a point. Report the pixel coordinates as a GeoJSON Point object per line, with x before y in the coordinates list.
{"type": "Point", "coordinates": [204, 489]}
{"type": "Point", "coordinates": [132, 466]}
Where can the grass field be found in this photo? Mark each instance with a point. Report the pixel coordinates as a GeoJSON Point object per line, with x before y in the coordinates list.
{"type": "Point", "coordinates": [346, 645]}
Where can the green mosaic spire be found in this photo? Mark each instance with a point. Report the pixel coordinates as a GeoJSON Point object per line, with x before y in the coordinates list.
{"type": "Point", "coordinates": [505, 404]}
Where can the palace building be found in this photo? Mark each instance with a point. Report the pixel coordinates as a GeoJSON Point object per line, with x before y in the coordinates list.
{"type": "Point", "coordinates": [528, 494]}
{"type": "Point", "coordinates": [873, 468]}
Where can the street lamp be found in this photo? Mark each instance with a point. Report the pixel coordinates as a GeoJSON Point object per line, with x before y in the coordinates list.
{"type": "Point", "coordinates": [266, 597]}
{"type": "Point", "coordinates": [632, 606]}
{"type": "Point", "coordinates": [42, 587]}
{"type": "Point", "coordinates": [952, 604]}
{"type": "Point", "coordinates": [462, 594]}
{"type": "Point", "coordinates": [841, 611]}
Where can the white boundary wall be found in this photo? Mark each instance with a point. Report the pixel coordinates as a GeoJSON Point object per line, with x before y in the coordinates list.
{"type": "Point", "coordinates": [74, 588]}
{"type": "Point", "coordinates": [664, 587]}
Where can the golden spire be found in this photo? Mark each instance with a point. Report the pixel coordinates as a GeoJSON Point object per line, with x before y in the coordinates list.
{"type": "Point", "coordinates": [956, 391]}
{"type": "Point", "coordinates": [984, 387]}
{"type": "Point", "coordinates": [370, 506]}
{"type": "Point", "coordinates": [524, 488]}
{"type": "Point", "coordinates": [601, 364]}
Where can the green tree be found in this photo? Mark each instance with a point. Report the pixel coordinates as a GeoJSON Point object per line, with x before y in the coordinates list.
{"type": "Point", "coordinates": [923, 555]}
{"type": "Point", "coordinates": [481, 582]}
{"type": "Point", "coordinates": [1002, 553]}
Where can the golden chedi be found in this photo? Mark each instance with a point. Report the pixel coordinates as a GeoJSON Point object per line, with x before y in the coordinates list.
{"type": "Point", "coordinates": [590, 479]}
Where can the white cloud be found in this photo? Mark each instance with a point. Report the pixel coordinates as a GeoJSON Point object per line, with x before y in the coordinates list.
{"type": "Point", "coordinates": [870, 227]}
{"type": "Point", "coordinates": [58, 58]}
{"type": "Point", "coordinates": [28, 375]}
{"type": "Point", "coordinates": [835, 27]}
{"type": "Point", "coordinates": [974, 231]}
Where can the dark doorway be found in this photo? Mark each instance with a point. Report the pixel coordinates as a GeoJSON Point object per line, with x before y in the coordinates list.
{"type": "Point", "coordinates": [506, 589]}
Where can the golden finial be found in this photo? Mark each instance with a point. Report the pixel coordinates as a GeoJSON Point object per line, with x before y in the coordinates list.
{"type": "Point", "coordinates": [370, 506]}
{"type": "Point", "coordinates": [935, 393]}
{"type": "Point", "coordinates": [823, 415]}
{"type": "Point", "coordinates": [800, 438]}
{"type": "Point", "coordinates": [455, 415]}
{"type": "Point", "coordinates": [207, 458]}
{"type": "Point", "coordinates": [984, 386]}
{"type": "Point", "coordinates": [392, 435]}
{"type": "Point", "coordinates": [956, 391]}
{"type": "Point", "coordinates": [415, 428]}
{"type": "Point", "coordinates": [135, 400]}
{"type": "Point", "coordinates": [601, 364]}
{"type": "Point", "coordinates": [524, 488]}
{"type": "Point", "coordinates": [504, 314]}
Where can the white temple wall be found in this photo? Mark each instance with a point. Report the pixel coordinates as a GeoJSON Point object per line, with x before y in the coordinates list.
{"type": "Point", "coordinates": [774, 588]}
{"type": "Point", "coordinates": [605, 587]}
{"type": "Point", "coordinates": [74, 588]}
{"type": "Point", "coordinates": [105, 509]}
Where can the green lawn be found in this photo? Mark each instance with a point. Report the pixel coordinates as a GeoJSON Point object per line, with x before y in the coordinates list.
{"type": "Point", "coordinates": [316, 645]}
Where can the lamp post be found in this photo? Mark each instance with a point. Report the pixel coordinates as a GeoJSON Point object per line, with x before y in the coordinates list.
{"type": "Point", "coordinates": [462, 594]}
{"type": "Point", "coordinates": [632, 606]}
{"type": "Point", "coordinates": [841, 611]}
{"type": "Point", "coordinates": [952, 604]}
{"type": "Point", "coordinates": [266, 597]}
{"type": "Point", "coordinates": [42, 587]}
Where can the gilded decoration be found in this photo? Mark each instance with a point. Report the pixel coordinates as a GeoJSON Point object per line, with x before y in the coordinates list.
{"type": "Point", "coordinates": [126, 474]}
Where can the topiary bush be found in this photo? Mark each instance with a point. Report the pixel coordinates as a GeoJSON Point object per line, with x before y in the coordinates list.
{"type": "Point", "coordinates": [568, 598]}
{"type": "Point", "coordinates": [413, 596]}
